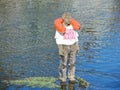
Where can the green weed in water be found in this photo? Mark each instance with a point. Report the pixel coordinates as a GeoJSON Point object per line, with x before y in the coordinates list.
{"type": "Point", "coordinates": [82, 82]}
{"type": "Point", "coordinates": [48, 82]}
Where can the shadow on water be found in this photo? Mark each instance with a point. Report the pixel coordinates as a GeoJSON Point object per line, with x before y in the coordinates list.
{"type": "Point", "coordinates": [28, 49]}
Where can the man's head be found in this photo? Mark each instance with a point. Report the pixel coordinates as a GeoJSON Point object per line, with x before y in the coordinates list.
{"type": "Point", "coordinates": [66, 17]}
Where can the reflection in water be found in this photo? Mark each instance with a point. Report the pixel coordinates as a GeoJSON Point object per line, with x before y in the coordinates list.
{"type": "Point", "coordinates": [71, 86]}
{"type": "Point", "coordinates": [3, 86]}
{"type": "Point", "coordinates": [27, 45]}
{"type": "Point", "coordinates": [63, 85]}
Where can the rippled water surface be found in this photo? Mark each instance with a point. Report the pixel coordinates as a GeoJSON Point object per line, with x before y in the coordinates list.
{"type": "Point", "coordinates": [28, 48]}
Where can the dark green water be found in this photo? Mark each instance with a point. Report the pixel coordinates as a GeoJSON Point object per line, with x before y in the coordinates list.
{"type": "Point", "coordinates": [28, 49]}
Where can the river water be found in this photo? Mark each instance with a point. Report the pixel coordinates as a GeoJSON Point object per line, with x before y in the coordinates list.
{"type": "Point", "coordinates": [28, 48]}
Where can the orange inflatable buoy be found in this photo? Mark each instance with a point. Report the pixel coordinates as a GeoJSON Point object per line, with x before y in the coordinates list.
{"type": "Point", "coordinates": [75, 24]}
{"type": "Point", "coordinates": [58, 23]}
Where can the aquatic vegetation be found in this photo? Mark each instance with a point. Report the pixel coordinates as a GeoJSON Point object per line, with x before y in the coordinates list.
{"type": "Point", "coordinates": [82, 82]}
{"type": "Point", "coordinates": [43, 82]}
{"type": "Point", "coordinates": [48, 82]}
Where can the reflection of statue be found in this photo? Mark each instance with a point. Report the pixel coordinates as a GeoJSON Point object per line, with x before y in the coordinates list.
{"type": "Point", "coordinates": [71, 86]}
{"type": "Point", "coordinates": [63, 86]}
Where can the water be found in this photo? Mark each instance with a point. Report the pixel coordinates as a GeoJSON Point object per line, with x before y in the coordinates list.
{"type": "Point", "coordinates": [28, 49]}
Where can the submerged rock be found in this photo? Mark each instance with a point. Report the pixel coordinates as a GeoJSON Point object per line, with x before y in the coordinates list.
{"type": "Point", "coordinates": [82, 82]}
{"type": "Point", "coordinates": [48, 82]}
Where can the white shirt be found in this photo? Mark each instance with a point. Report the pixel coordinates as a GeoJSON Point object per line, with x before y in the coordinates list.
{"type": "Point", "coordinates": [69, 38]}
